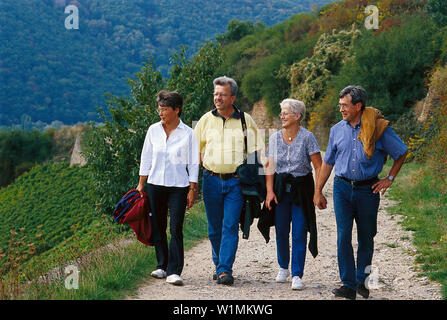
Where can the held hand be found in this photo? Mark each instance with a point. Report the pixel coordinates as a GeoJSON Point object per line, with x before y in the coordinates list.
{"type": "Point", "coordinates": [140, 189]}
{"type": "Point", "coordinates": [268, 199]}
{"type": "Point", "coordinates": [190, 199]}
{"type": "Point", "coordinates": [381, 185]}
{"type": "Point", "coordinates": [320, 200]}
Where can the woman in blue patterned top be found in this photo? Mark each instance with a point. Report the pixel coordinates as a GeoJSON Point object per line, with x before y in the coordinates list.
{"type": "Point", "coordinates": [290, 188]}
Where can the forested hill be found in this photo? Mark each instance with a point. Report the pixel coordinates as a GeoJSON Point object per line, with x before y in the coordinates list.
{"type": "Point", "coordinates": [49, 72]}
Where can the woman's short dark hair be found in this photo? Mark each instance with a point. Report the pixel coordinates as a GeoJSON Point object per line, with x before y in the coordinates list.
{"type": "Point", "coordinates": [170, 99]}
{"type": "Point", "coordinates": [357, 93]}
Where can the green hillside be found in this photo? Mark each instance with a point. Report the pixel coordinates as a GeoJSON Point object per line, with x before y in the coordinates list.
{"type": "Point", "coordinates": [50, 212]}
{"type": "Point", "coordinates": [309, 57]}
{"type": "Point", "coordinates": [312, 56]}
{"type": "Point", "coordinates": [51, 73]}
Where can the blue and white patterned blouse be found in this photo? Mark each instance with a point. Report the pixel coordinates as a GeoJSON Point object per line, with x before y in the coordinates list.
{"type": "Point", "coordinates": [293, 158]}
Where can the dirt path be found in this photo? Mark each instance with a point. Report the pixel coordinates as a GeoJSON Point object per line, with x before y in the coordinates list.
{"type": "Point", "coordinates": [256, 267]}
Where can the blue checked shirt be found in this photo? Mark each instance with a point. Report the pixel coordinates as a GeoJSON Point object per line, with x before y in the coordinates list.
{"type": "Point", "coordinates": [346, 153]}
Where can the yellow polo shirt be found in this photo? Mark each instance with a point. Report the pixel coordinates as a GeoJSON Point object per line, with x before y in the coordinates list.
{"type": "Point", "coordinates": [221, 142]}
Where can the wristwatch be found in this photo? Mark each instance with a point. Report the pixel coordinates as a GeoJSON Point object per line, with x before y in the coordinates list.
{"type": "Point", "coordinates": [391, 178]}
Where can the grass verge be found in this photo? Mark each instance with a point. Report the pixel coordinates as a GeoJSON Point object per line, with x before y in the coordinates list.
{"type": "Point", "coordinates": [116, 272]}
{"type": "Point", "coordinates": [423, 204]}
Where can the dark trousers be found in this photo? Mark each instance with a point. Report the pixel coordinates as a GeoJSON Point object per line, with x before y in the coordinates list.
{"type": "Point", "coordinates": [173, 199]}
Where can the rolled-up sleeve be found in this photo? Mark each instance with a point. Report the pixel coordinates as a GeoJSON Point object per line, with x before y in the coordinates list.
{"type": "Point", "coordinates": [392, 144]}
{"type": "Point", "coordinates": [194, 158]}
{"type": "Point", "coordinates": [146, 156]}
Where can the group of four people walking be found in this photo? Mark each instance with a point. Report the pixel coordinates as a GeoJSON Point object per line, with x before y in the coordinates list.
{"type": "Point", "coordinates": [169, 168]}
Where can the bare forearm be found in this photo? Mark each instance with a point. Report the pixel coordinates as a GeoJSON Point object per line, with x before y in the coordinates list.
{"type": "Point", "coordinates": [142, 180]}
{"type": "Point", "coordinates": [269, 182]}
{"type": "Point", "coordinates": [193, 186]}
{"type": "Point", "coordinates": [323, 176]}
{"type": "Point", "coordinates": [269, 172]}
{"type": "Point", "coordinates": [316, 162]}
{"type": "Point", "coordinates": [397, 165]}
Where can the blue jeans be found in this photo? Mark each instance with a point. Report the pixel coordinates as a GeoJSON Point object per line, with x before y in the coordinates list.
{"type": "Point", "coordinates": [285, 212]}
{"type": "Point", "coordinates": [223, 204]}
{"type": "Point", "coordinates": [359, 204]}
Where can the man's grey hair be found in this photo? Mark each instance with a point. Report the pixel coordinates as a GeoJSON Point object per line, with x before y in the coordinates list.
{"type": "Point", "coordinates": [357, 93]}
{"type": "Point", "coordinates": [223, 81]}
{"type": "Point", "coordinates": [296, 106]}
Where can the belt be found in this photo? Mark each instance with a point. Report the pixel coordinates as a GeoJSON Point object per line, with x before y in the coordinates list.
{"type": "Point", "coordinates": [223, 176]}
{"type": "Point", "coordinates": [359, 183]}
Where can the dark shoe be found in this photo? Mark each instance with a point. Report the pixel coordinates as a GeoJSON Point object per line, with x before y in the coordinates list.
{"type": "Point", "coordinates": [215, 276]}
{"type": "Point", "coordinates": [225, 278]}
{"type": "Point", "coordinates": [361, 290]}
{"type": "Point", "coordinates": [345, 292]}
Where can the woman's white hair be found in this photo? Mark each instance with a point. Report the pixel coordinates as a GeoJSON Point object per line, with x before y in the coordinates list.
{"type": "Point", "coordinates": [296, 106]}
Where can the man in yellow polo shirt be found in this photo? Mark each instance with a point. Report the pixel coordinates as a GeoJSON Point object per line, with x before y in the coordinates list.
{"type": "Point", "coordinates": [221, 144]}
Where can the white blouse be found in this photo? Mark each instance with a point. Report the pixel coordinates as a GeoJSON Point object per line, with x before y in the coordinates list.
{"type": "Point", "coordinates": [172, 162]}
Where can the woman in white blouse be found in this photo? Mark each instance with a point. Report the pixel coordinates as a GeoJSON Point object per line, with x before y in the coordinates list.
{"type": "Point", "coordinates": [170, 166]}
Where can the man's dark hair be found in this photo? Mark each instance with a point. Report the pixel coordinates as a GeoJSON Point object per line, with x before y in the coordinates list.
{"type": "Point", "coordinates": [170, 99]}
{"type": "Point", "coordinates": [357, 93]}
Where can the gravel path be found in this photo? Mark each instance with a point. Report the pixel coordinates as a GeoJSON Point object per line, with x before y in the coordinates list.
{"type": "Point", "coordinates": [256, 267]}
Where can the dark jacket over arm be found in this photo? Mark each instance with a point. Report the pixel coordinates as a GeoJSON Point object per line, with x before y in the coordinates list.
{"type": "Point", "coordinates": [302, 192]}
{"type": "Point", "coordinates": [252, 181]}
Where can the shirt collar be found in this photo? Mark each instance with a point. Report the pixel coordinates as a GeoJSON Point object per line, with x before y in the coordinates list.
{"type": "Point", "coordinates": [236, 113]}
{"type": "Point", "coordinates": [356, 126]}
{"type": "Point", "coordinates": [181, 125]}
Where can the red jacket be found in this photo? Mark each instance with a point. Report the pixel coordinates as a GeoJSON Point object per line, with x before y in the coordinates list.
{"type": "Point", "coordinates": [135, 210]}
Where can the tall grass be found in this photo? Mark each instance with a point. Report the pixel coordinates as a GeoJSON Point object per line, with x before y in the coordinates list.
{"type": "Point", "coordinates": [423, 204]}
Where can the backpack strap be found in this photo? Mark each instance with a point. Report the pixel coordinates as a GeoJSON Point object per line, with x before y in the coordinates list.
{"type": "Point", "coordinates": [244, 129]}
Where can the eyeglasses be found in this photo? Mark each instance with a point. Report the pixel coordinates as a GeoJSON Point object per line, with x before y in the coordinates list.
{"type": "Point", "coordinates": [220, 95]}
{"type": "Point", "coordinates": [162, 110]}
{"type": "Point", "coordinates": [344, 106]}
{"type": "Point", "coordinates": [284, 114]}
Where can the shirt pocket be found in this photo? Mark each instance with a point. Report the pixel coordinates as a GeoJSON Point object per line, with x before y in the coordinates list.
{"type": "Point", "coordinates": [179, 152]}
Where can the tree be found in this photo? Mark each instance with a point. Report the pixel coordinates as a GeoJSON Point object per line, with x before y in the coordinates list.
{"type": "Point", "coordinates": [391, 66]}
{"type": "Point", "coordinates": [239, 29]}
{"type": "Point", "coordinates": [193, 79]}
{"type": "Point", "coordinates": [114, 148]}
{"type": "Point", "coordinates": [20, 150]}
{"type": "Point", "coordinates": [438, 11]}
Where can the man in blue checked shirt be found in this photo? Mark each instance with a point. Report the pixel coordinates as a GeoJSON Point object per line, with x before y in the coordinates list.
{"type": "Point", "coordinates": [357, 187]}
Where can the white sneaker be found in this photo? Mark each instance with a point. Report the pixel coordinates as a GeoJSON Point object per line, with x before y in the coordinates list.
{"type": "Point", "coordinates": [282, 275]}
{"type": "Point", "coordinates": [159, 274]}
{"type": "Point", "coordinates": [297, 283]}
{"type": "Point", "coordinates": [175, 279]}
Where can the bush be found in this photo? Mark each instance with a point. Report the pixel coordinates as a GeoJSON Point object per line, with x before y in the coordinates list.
{"type": "Point", "coordinates": [435, 129]}
{"type": "Point", "coordinates": [391, 66]}
{"type": "Point", "coordinates": [437, 9]}
{"type": "Point", "coordinates": [20, 150]}
{"type": "Point", "coordinates": [310, 76]}
{"type": "Point", "coordinates": [114, 148]}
